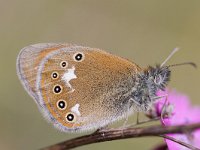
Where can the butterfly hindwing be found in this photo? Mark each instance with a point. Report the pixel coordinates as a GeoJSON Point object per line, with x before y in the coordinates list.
{"type": "Point", "coordinates": [78, 88]}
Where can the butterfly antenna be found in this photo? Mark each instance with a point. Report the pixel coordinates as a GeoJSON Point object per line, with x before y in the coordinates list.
{"type": "Point", "coordinates": [184, 63]}
{"type": "Point", "coordinates": [170, 55]}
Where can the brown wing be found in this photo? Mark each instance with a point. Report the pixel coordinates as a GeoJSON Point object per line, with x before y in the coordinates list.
{"type": "Point", "coordinates": [92, 87]}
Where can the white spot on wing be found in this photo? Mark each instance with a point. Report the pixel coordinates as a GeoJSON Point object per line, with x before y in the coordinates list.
{"type": "Point", "coordinates": [68, 76]}
{"type": "Point", "coordinates": [75, 109]}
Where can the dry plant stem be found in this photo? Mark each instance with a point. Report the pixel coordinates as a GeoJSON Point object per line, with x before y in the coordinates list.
{"type": "Point", "coordinates": [115, 134]}
{"type": "Point", "coordinates": [179, 142]}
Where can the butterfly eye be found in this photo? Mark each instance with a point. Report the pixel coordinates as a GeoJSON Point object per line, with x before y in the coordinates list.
{"type": "Point", "coordinates": [63, 64]}
{"type": "Point", "coordinates": [57, 89]}
{"type": "Point", "coordinates": [62, 104]}
{"type": "Point", "coordinates": [78, 57]}
{"type": "Point", "coordinates": [70, 117]}
{"type": "Point", "coordinates": [158, 79]}
{"type": "Point", "coordinates": [54, 75]}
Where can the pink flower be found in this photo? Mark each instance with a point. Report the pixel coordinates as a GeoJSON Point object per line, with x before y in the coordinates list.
{"type": "Point", "coordinates": [178, 112]}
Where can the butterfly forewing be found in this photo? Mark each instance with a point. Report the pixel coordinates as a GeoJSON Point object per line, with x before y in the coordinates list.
{"type": "Point", "coordinates": [28, 62]}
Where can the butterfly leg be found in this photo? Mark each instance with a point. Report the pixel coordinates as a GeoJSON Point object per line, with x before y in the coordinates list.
{"type": "Point", "coordinates": [164, 107]}
{"type": "Point", "coordinates": [163, 111]}
{"type": "Point", "coordinates": [101, 129]}
{"type": "Point", "coordinates": [129, 107]}
{"type": "Point", "coordinates": [125, 121]}
{"type": "Point", "coordinates": [138, 121]}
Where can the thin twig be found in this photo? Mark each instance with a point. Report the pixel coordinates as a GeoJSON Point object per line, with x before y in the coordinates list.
{"type": "Point", "coordinates": [115, 134]}
{"type": "Point", "coordinates": [179, 142]}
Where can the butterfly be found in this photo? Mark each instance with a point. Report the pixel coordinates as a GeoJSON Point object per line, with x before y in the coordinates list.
{"type": "Point", "coordinates": [80, 88]}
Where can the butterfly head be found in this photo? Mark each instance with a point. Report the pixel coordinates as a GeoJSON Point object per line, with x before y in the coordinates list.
{"type": "Point", "coordinates": [151, 80]}
{"type": "Point", "coordinates": [157, 77]}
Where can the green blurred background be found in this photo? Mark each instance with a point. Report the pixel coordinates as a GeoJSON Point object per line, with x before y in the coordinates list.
{"type": "Point", "coordinates": [144, 31]}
